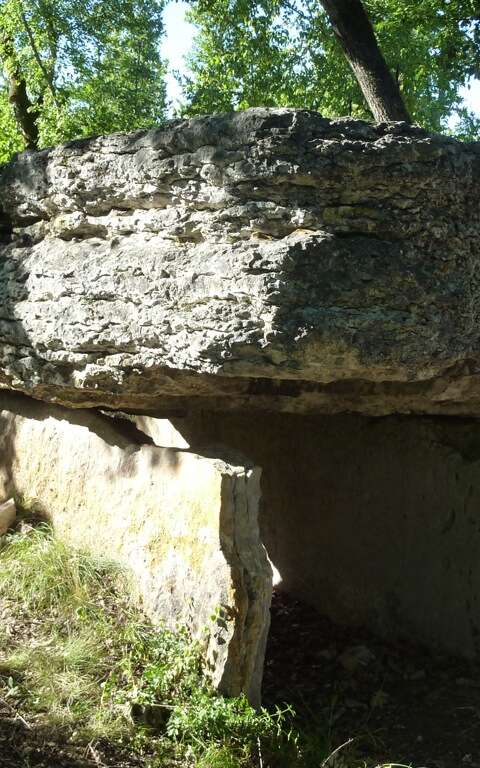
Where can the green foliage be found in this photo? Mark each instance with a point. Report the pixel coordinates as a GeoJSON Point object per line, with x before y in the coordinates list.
{"type": "Point", "coordinates": [90, 67]}
{"type": "Point", "coordinates": [283, 52]}
{"type": "Point", "coordinates": [467, 126]}
{"type": "Point", "coordinates": [10, 139]}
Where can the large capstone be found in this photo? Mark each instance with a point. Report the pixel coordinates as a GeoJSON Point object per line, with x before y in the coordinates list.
{"type": "Point", "coordinates": [270, 259]}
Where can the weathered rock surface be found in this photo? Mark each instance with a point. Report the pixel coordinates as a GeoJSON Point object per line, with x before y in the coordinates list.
{"type": "Point", "coordinates": [185, 525]}
{"type": "Point", "coordinates": [8, 513]}
{"type": "Point", "coordinates": [270, 258]}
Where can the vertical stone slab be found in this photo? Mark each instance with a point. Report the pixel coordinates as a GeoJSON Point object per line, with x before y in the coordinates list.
{"type": "Point", "coordinates": [185, 525]}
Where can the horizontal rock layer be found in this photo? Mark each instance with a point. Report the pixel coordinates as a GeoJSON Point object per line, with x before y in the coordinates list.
{"type": "Point", "coordinates": [184, 525]}
{"type": "Point", "coordinates": [270, 259]}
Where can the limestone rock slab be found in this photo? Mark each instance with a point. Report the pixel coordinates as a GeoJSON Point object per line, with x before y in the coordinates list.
{"type": "Point", "coordinates": [8, 513]}
{"type": "Point", "coordinates": [183, 524]}
{"type": "Point", "coordinates": [271, 259]}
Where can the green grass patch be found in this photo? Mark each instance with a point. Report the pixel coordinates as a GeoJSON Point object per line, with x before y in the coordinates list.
{"type": "Point", "coordinates": [77, 657]}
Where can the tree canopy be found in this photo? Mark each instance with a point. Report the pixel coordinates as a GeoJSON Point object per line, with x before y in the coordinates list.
{"type": "Point", "coordinates": [283, 52]}
{"type": "Point", "coordinates": [73, 68]}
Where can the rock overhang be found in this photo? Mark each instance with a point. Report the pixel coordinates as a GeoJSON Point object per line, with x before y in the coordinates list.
{"type": "Point", "coordinates": [270, 258]}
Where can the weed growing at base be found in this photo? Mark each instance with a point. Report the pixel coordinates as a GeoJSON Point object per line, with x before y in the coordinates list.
{"type": "Point", "coordinates": [75, 655]}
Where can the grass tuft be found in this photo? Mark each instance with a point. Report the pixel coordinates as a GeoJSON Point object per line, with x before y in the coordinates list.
{"type": "Point", "coordinates": [79, 661]}
{"type": "Point", "coordinates": [77, 656]}
{"type": "Point", "coordinates": [42, 574]}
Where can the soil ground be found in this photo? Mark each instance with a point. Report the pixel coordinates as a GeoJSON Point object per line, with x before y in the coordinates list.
{"type": "Point", "coordinates": [398, 703]}
{"type": "Point", "coordinates": [24, 745]}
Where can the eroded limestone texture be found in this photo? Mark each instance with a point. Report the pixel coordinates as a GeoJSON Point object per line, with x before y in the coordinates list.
{"type": "Point", "coordinates": [184, 525]}
{"type": "Point", "coordinates": [270, 259]}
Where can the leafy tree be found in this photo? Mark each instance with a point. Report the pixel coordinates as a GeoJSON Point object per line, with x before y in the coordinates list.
{"type": "Point", "coordinates": [283, 52]}
{"type": "Point", "coordinates": [75, 68]}
{"type": "Point", "coordinates": [10, 138]}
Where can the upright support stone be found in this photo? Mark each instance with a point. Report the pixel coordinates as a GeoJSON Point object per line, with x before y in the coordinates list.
{"type": "Point", "coordinates": [184, 525]}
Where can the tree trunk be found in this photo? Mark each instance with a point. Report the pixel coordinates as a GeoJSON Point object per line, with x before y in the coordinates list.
{"type": "Point", "coordinates": [25, 111]}
{"type": "Point", "coordinates": [354, 31]}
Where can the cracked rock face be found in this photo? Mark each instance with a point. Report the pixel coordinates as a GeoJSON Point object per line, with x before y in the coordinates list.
{"type": "Point", "coordinates": [270, 259]}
